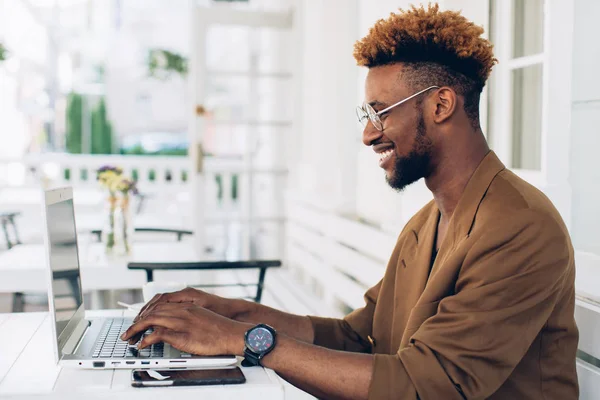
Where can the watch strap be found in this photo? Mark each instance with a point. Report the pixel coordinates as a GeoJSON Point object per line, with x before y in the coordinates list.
{"type": "Point", "coordinates": [251, 359]}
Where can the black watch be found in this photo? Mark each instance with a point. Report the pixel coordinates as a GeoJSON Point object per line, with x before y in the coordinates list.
{"type": "Point", "coordinates": [260, 341]}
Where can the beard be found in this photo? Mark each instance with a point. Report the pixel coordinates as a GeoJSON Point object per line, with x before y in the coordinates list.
{"type": "Point", "coordinates": [415, 165]}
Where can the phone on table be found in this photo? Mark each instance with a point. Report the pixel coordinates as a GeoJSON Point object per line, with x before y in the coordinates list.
{"type": "Point", "coordinates": [186, 377]}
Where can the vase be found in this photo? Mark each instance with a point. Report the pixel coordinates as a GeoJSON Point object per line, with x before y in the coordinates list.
{"type": "Point", "coordinates": [123, 226]}
{"type": "Point", "coordinates": [108, 230]}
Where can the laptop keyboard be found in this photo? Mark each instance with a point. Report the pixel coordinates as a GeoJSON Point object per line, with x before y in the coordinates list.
{"type": "Point", "coordinates": [110, 345]}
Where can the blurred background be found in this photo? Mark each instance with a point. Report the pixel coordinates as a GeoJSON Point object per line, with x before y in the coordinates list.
{"type": "Point", "coordinates": [236, 119]}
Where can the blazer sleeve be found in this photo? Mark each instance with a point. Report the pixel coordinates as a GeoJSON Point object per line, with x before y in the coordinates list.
{"type": "Point", "coordinates": [350, 333]}
{"type": "Point", "coordinates": [509, 283]}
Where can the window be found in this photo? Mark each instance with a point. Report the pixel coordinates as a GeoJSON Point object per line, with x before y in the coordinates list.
{"type": "Point", "coordinates": [517, 91]}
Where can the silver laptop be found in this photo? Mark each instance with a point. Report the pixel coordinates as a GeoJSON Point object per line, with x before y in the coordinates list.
{"type": "Point", "coordinates": [93, 343]}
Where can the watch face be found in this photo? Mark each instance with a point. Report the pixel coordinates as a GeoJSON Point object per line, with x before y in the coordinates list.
{"type": "Point", "coordinates": [260, 340]}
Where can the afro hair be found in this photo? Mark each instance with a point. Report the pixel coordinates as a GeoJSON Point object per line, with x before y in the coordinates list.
{"type": "Point", "coordinates": [440, 48]}
{"type": "Point", "coordinates": [428, 35]}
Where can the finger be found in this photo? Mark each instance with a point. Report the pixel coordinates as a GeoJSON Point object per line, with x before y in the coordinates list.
{"type": "Point", "coordinates": [152, 320]}
{"type": "Point", "coordinates": [164, 335]}
{"type": "Point", "coordinates": [161, 307]}
{"type": "Point", "coordinates": [164, 298]}
{"type": "Point", "coordinates": [166, 310]}
{"type": "Point", "coordinates": [148, 305]}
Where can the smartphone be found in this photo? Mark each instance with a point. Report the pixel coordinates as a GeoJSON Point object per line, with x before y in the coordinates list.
{"type": "Point", "coordinates": [186, 377]}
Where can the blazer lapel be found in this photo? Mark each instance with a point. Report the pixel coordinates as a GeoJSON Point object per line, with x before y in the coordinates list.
{"type": "Point", "coordinates": [416, 267]}
{"type": "Point", "coordinates": [463, 218]}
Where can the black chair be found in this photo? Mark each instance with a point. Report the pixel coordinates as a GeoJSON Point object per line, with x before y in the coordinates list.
{"type": "Point", "coordinates": [7, 219]}
{"type": "Point", "coordinates": [261, 265]}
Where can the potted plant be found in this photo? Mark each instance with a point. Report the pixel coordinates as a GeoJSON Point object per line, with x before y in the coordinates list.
{"type": "Point", "coordinates": [3, 52]}
{"type": "Point", "coordinates": [164, 63]}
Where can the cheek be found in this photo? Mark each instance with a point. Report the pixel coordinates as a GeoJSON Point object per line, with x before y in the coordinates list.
{"type": "Point", "coordinates": [403, 138]}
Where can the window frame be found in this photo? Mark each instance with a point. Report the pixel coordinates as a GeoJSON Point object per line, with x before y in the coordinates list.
{"type": "Point", "coordinates": [500, 120]}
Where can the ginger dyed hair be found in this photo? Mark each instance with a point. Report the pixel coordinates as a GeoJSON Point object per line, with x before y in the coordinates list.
{"type": "Point", "coordinates": [436, 47]}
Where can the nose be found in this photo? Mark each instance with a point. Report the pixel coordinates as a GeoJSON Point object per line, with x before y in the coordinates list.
{"type": "Point", "coordinates": [370, 134]}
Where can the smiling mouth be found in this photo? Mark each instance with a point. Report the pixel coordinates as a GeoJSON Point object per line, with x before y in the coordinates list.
{"type": "Point", "coordinates": [383, 157]}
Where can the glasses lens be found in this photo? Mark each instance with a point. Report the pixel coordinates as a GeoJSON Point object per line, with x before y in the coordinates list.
{"type": "Point", "coordinates": [374, 117]}
{"type": "Point", "coordinates": [362, 115]}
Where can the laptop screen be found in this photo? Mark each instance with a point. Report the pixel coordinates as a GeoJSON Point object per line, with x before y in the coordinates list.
{"type": "Point", "coordinates": [64, 262]}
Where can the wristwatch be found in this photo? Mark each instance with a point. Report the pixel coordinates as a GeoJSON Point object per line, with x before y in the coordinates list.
{"type": "Point", "coordinates": [260, 341]}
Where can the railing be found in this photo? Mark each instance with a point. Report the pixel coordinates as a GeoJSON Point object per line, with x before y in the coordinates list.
{"type": "Point", "coordinates": [233, 192]}
{"type": "Point", "coordinates": [153, 173]}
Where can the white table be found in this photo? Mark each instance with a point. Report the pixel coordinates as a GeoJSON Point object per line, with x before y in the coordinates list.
{"type": "Point", "coordinates": [27, 370]}
{"type": "Point", "coordinates": [23, 268]}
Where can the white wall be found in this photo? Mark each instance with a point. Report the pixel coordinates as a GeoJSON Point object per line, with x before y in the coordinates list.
{"type": "Point", "coordinates": [327, 129]}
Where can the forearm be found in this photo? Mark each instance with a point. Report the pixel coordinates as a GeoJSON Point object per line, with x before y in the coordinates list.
{"type": "Point", "coordinates": [322, 372]}
{"type": "Point", "coordinates": [295, 326]}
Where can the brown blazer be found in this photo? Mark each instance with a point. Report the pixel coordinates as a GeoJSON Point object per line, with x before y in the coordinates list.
{"type": "Point", "coordinates": [494, 318]}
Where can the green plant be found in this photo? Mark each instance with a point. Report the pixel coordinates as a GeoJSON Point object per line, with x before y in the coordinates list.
{"type": "Point", "coordinates": [3, 52]}
{"type": "Point", "coordinates": [74, 119]}
{"type": "Point", "coordinates": [163, 63]}
{"type": "Point", "coordinates": [234, 187]}
{"type": "Point", "coordinates": [102, 140]}
{"type": "Point", "coordinates": [219, 182]}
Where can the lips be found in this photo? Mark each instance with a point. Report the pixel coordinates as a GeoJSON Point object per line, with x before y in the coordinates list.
{"type": "Point", "coordinates": [384, 151]}
{"type": "Point", "coordinates": [383, 156]}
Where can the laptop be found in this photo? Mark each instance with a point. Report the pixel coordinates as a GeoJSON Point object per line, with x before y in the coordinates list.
{"type": "Point", "coordinates": [94, 343]}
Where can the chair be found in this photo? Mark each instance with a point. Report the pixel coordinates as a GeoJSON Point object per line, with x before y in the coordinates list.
{"type": "Point", "coordinates": [261, 265]}
{"type": "Point", "coordinates": [7, 218]}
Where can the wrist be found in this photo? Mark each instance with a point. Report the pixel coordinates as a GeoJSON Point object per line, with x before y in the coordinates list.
{"type": "Point", "coordinates": [237, 343]}
{"type": "Point", "coordinates": [242, 310]}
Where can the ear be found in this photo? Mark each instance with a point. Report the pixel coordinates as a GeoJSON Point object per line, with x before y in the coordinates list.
{"type": "Point", "coordinates": [446, 103]}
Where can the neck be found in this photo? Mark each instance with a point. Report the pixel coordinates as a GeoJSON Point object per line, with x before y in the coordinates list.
{"type": "Point", "coordinates": [456, 164]}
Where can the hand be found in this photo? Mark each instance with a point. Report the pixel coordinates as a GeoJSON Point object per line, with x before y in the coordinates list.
{"type": "Point", "coordinates": [186, 297]}
{"type": "Point", "coordinates": [212, 302]}
{"type": "Point", "coordinates": [190, 328]}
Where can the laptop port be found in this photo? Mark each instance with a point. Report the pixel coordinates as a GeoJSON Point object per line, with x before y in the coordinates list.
{"type": "Point", "coordinates": [130, 362]}
{"type": "Point", "coordinates": [115, 363]}
{"type": "Point", "coordinates": [98, 364]}
{"type": "Point", "coordinates": [145, 362]}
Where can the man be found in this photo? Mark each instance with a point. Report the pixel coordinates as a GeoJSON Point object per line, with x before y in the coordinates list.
{"type": "Point", "coordinates": [478, 297]}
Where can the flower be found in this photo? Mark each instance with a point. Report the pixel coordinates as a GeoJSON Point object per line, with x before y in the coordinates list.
{"type": "Point", "coordinates": [111, 177]}
{"type": "Point", "coordinates": [125, 185]}
{"type": "Point", "coordinates": [105, 168]}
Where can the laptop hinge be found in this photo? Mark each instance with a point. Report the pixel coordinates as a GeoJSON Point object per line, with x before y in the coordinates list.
{"type": "Point", "coordinates": [71, 344]}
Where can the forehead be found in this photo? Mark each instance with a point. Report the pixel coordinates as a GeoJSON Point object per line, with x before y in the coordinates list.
{"type": "Point", "coordinates": [383, 83]}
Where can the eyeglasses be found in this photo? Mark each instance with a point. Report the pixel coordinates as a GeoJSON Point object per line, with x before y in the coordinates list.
{"type": "Point", "coordinates": [366, 112]}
